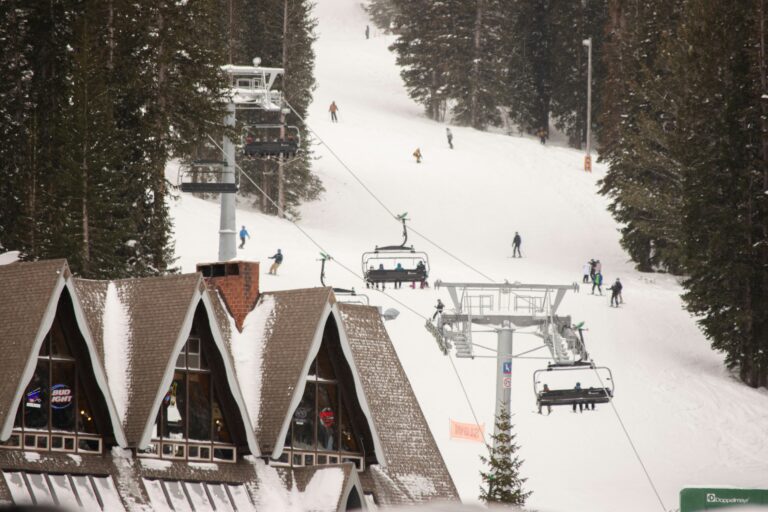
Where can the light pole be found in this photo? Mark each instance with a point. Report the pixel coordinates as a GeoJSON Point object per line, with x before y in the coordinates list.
{"type": "Point", "coordinates": [588, 157]}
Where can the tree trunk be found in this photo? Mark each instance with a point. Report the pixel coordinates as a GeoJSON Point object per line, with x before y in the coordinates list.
{"type": "Point", "coordinates": [475, 85]}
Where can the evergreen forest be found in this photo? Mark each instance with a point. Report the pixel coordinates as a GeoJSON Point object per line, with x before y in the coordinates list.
{"type": "Point", "coordinates": [679, 112]}
{"type": "Point", "coordinates": [97, 96]}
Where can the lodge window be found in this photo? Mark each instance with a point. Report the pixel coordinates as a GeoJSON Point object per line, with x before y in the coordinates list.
{"type": "Point", "coordinates": [190, 424]}
{"type": "Point", "coordinates": [55, 413]}
{"type": "Point", "coordinates": [321, 429]}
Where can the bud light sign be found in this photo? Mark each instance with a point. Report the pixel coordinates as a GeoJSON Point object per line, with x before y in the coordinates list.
{"type": "Point", "coordinates": [61, 396]}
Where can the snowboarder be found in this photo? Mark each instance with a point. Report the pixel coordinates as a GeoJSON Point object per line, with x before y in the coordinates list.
{"type": "Point", "coordinates": [449, 135]}
{"type": "Point", "coordinates": [549, 407]}
{"type": "Point", "coordinates": [516, 245]}
{"type": "Point", "coordinates": [581, 405]}
{"type": "Point", "coordinates": [597, 281]}
{"type": "Point", "coordinates": [278, 257]}
{"type": "Point", "coordinates": [333, 109]}
{"type": "Point", "coordinates": [438, 309]}
{"type": "Point", "coordinates": [243, 234]}
{"type": "Point", "coordinates": [542, 134]}
{"type": "Point", "coordinates": [616, 292]}
{"type": "Point", "coordinates": [367, 32]}
{"type": "Point", "coordinates": [417, 155]}
{"type": "Point", "coordinates": [587, 271]}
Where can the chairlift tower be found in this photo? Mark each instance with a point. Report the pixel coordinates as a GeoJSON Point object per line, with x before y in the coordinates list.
{"type": "Point", "coordinates": [505, 307]}
{"type": "Point", "coordinates": [250, 87]}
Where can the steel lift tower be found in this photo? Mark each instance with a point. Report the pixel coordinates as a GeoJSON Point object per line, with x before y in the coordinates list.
{"type": "Point", "coordinates": [505, 307]}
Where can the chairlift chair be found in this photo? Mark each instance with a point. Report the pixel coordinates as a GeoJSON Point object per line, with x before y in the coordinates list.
{"type": "Point", "coordinates": [264, 146]}
{"type": "Point", "coordinates": [343, 294]}
{"type": "Point", "coordinates": [600, 394]}
{"type": "Point", "coordinates": [193, 176]}
{"type": "Point", "coordinates": [379, 265]}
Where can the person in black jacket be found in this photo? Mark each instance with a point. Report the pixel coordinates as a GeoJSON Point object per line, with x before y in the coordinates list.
{"type": "Point", "coordinates": [616, 292]}
{"type": "Point", "coordinates": [438, 309]}
{"type": "Point", "coordinates": [516, 245]}
{"type": "Point", "coordinates": [278, 257]}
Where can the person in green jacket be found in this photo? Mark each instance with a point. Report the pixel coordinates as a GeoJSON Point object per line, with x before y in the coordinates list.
{"type": "Point", "coordinates": [597, 281]}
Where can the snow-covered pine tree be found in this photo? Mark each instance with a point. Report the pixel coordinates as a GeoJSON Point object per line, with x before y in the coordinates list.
{"type": "Point", "coordinates": [643, 180]}
{"type": "Point", "coordinates": [382, 13]}
{"type": "Point", "coordinates": [721, 144]}
{"type": "Point", "coordinates": [501, 481]}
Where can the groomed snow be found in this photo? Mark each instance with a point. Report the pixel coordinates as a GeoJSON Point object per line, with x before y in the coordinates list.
{"type": "Point", "coordinates": [690, 419]}
{"type": "Point", "coordinates": [117, 331]}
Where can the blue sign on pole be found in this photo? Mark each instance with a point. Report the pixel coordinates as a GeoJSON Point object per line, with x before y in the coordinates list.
{"type": "Point", "coordinates": [507, 367]}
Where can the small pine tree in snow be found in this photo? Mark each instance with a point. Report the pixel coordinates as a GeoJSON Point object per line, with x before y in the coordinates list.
{"type": "Point", "coordinates": [502, 482]}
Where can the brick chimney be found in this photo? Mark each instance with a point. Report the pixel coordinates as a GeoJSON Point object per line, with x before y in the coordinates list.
{"type": "Point", "coordinates": [238, 284]}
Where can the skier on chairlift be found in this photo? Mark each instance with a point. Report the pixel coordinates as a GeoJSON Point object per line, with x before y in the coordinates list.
{"type": "Point", "coordinates": [581, 405]}
{"type": "Point", "coordinates": [549, 407]}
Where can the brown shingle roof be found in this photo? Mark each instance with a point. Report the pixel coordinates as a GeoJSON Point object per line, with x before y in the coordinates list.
{"type": "Point", "coordinates": [412, 456]}
{"type": "Point", "coordinates": [289, 331]}
{"type": "Point", "coordinates": [26, 291]}
{"type": "Point", "coordinates": [157, 308]}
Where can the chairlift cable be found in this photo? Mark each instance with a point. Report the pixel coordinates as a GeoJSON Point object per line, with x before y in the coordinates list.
{"type": "Point", "coordinates": [632, 444]}
{"type": "Point", "coordinates": [394, 299]}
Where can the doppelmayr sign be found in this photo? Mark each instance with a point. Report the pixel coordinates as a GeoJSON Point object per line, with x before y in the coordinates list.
{"type": "Point", "coordinates": [698, 499]}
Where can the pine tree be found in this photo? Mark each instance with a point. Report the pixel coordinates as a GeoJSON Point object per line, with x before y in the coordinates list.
{"type": "Point", "coordinates": [502, 481]}
{"type": "Point", "coordinates": [383, 14]}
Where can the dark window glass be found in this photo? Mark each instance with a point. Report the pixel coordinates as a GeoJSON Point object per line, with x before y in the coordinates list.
{"type": "Point", "coordinates": [324, 366]}
{"type": "Point", "coordinates": [59, 346]}
{"type": "Point", "coordinates": [63, 407]}
{"type": "Point", "coordinates": [349, 442]}
{"type": "Point", "coordinates": [327, 415]}
{"type": "Point", "coordinates": [85, 422]}
{"type": "Point", "coordinates": [174, 410]}
{"type": "Point", "coordinates": [220, 431]}
{"type": "Point", "coordinates": [304, 420]}
{"type": "Point", "coordinates": [35, 400]}
{"type": "Point", "coordinates": [199, 406]}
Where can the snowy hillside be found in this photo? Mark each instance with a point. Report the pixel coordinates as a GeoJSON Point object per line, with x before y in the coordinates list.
{"type": "Point", "coordinates": [691, 422]}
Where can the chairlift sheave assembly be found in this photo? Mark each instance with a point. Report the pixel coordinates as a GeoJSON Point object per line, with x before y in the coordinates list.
{"type": "Point", "coordinates": [381, 264]}
{"type": "Point", "coordinates": [194, 177]}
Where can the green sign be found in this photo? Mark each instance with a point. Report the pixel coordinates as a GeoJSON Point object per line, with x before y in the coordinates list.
{"type": "Point", "coordinates": [701, 499]}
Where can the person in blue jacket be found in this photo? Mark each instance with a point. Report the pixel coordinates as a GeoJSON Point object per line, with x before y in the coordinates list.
{"type": "Point", "coordinates": [243, 234]}
{"type": "Point", "coordinates": [278, 257]}
{"type": "Point", "coordinates": [399, 268]}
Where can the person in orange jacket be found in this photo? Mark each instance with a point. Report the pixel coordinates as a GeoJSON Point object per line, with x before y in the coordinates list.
{"type": "Point", "coordinates": [333, 109]}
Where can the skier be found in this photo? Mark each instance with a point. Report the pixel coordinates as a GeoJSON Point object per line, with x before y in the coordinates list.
{"type": "Point", "coordinates": [449, 135]}
{"type": "Point", "coordinates": [592, 264]}
{"type": "Point", "coordinates": [516, 245]}
{"type": "Point", "coordinates": [333, 109]}
{"type": "Point", "coordinates": [399, 268]}
{"type": "Point", "coordinates": [616, 292]}
{"type": "Point", "coordinates": [367, 32]}
{"type": "Point", "coordinates": [438, 309]}
{"type": "Point", "coordinates": [587, 271]}
{"type": "Point", "coordinates": [598, 266]}
{"type": "Point", "coordinates": [542, 133]}
{"type": "Point", "coordinates": [549, 407]}
{"type": "Point", "coordinates": [597, 281]}
{"type": "Point", "coordinates": [278, 257]}
{"type": "Point", "coordinates": [581, 405]}
{"type": "Point", "coordinates": [417, 155]}
{"type": "Point", "coordinates": [243, 233]}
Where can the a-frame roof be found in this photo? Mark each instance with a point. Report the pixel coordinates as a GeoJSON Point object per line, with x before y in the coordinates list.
{"type": "Point", "coordinates": [142, 325]}
{"type": "Point", "coordinates": [29, 300]}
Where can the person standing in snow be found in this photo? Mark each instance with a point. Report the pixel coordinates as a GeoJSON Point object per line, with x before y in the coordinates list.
{"type": "Point", "coordinates": [417, 155]}
{"type": "Point", "coordinates": [367, 32]}
{"type": "Point", "coordinates": [516, 245]}
{"type": "Point", "coordinates": [587, 271]}
{"type": "Point", "coordinates": [592, 271]}
{"type": "Point", "coordinates": [438, 309]}
{"type": "Point", "coordinates": [542, 134]}
{"type": "Point", "coordinates": [597, 281]}
{"type": "Point", "coordinates": [616, 292]}
{"type": "Point", "coordinates": [243, 234]}
{"type": "Point", "coordinates": [333, 109]}
{"type": "Point", "coordinates": [581, 405]}
{"type": "Point", "coordinates": [278, 257]}
{"type": "Point", "coordinates": [598, 266]}
{"type": "Point", "coordinates": [449, 135]}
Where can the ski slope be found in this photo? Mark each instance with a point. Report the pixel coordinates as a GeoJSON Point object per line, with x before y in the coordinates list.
{"type": "Point", "coordinates": [692, 423]}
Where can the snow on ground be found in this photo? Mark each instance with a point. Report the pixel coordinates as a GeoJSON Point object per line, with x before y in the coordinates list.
{"type": "Point", "coordinates": [690, 420]}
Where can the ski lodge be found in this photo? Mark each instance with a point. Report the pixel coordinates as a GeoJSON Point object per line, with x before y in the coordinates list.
{"type": "Point", "coordinates": [198, 392]}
